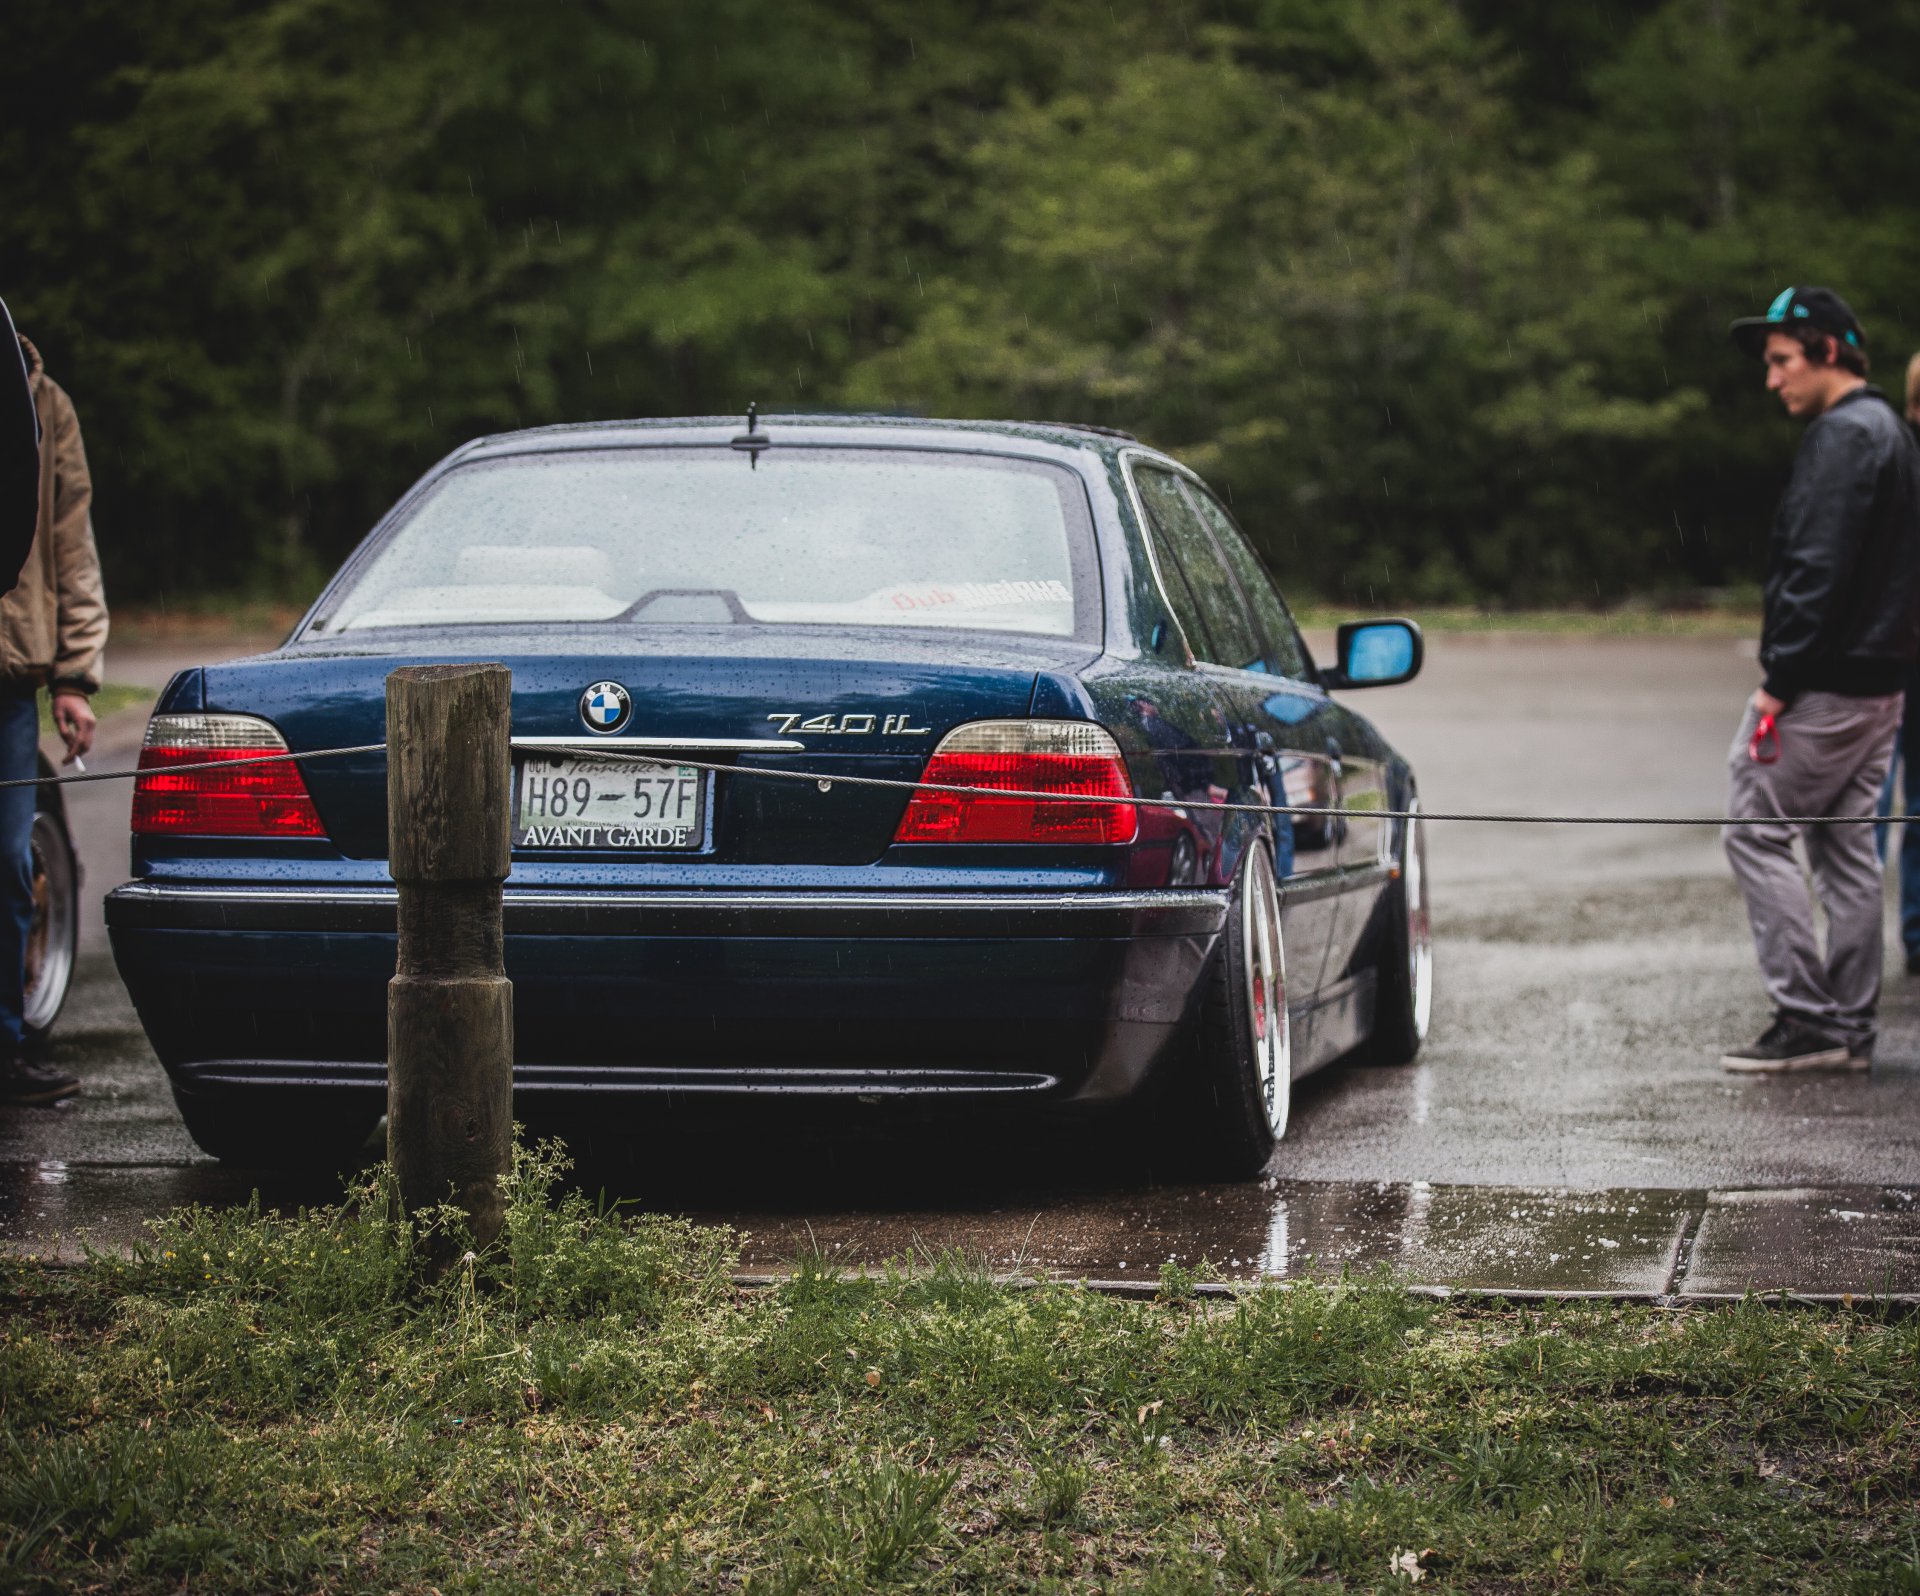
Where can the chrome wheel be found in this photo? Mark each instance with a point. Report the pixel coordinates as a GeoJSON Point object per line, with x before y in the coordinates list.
{"type": "Point", "coordinates": [56, 923]}
{"type": "Point", "coordinates": [1265, 975]}
{"type": "Point", "coordinates": [1419, 926]}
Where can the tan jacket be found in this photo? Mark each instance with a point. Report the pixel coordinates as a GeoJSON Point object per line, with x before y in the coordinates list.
{"type": "Point", "coordinates": [53, 626]}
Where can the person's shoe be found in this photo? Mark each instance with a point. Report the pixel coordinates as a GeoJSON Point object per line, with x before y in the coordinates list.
{"type": "Point", "coordinates": [1788, 1045]}
{"type": "Point", "coordinates": [25, 1081]}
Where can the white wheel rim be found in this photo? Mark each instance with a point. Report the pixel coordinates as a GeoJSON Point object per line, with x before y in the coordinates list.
{"type": "Point", "coordinates": [1265, 975]}
{"type": "Point", "coordinates": [52, 930]}
{"type": "Point", "coordinates": [1419, 926]}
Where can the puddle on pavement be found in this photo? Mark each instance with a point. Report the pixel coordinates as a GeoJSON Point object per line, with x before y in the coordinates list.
{"type": "Point", "coordinates": [1465, 1236]}
{"type": "Point", "coordinates": [1472, 1237]}
{"type": "Point", "coordinates": [53, 1209]}
{"type": "Point", "coordinates": [1635, 1243]}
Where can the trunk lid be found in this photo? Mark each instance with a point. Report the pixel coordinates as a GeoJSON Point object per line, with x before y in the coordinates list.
{"type": "Point", "coordinates": [859, 703]}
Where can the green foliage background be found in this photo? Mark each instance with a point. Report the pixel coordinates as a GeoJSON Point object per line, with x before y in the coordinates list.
{"type": "Point", "coordinates": [1437, 292]}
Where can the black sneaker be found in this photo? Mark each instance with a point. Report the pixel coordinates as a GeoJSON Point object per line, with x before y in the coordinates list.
{"type": "Point", "coordinates": [25, 1081]}
{"type": "Point", "coordinates": [1790, 1045]}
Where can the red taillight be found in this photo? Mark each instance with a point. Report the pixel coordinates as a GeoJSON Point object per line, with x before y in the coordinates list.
{"type": "Point", "coordinates": [250, 800]}
{"type": "Point", "coordinates": [1073, 759]}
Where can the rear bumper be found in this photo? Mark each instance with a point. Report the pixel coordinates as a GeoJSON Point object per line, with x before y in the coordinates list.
{"type": "Point", "coordinates": [1036, 997]}
{"type": "Point", "coordinates": [547, 911]}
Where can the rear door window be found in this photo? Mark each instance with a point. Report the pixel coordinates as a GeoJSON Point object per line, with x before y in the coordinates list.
{"type": "Point", "coordinates": [1181, 540]}
{"type": "Point", "coordinates": [1161, 501]}
{"type": "Point", "coordinates": [1286, 651]}
{"type": "Point", "coordinates": [680, 535]}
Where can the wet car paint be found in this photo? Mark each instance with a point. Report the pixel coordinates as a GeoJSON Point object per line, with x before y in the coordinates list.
{"type": "Point", "coordinates": [251, 995]}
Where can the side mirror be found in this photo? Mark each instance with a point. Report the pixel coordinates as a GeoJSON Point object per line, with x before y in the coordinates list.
{"type": "Point", "coordinates": [1375, 654]}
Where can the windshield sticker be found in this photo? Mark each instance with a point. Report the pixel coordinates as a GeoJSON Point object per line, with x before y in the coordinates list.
{"type": "Point", "coordinates": [976, 595]}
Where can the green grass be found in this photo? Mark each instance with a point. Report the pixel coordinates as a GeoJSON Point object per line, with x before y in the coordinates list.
{"type": "Point", "coordinates": [194, 617]}
{"type": "Point", "coordinates": [1732, 613]}
{"type": "Point", "coordinates": [1729, 620]}
{"type": "Point", "coordinates": [252, 1403]}
{"type": "Point", "coordinates": [1735, 613]}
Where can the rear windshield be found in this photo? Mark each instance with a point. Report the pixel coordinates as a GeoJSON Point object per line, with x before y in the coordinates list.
{"type": "Point", "coordinates": [809, 536]}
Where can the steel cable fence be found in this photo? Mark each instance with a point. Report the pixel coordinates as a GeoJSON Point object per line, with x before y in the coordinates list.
{"type": "Point", "coordinates": [826, 780]}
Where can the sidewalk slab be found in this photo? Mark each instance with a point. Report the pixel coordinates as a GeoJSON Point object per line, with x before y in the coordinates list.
{"type": "Point", "coordinates": [1826, 1243]}
{"type": "Point", "coordinates": [53, 1210]}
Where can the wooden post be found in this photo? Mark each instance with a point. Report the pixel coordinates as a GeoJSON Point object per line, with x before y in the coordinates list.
{"type": "Point", "coordinates": [450, 1006]}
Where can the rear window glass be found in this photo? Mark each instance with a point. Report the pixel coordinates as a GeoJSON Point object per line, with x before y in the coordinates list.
{"type": "Point", "coordinates": [811, 536]}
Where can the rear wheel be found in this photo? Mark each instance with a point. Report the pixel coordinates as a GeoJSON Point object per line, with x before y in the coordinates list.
{"type": "Point", "coordinates": [280, 1132]}
{"type": "Point", "coordinates": [54, 934]}
{"type": "Point", "coordinates": [1403, 999]}
{"type": "Point", "coordinates": [1241, 1081]}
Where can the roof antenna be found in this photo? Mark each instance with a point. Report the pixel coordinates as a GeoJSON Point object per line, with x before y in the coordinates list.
{"type": "Point", "coordinates": [753, 440]}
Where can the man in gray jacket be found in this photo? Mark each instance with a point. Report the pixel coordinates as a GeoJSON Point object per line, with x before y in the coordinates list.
{"type": "Point", "coordinates": [1842, 623]}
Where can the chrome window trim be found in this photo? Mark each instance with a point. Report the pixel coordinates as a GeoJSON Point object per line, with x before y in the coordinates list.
{"type": "Point", "coordinates": [1127, 457]}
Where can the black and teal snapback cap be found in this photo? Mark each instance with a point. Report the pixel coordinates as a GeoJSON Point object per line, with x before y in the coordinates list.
{"type": "Point", "coordinates": [1819, 308]}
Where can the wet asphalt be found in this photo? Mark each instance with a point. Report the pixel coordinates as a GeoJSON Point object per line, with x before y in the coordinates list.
{"type": "Point", "coordinates": [1567, 1128]}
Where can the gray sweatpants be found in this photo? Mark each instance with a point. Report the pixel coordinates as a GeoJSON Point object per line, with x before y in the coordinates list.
{"type": "Point", "coordinates": [1833, 759]}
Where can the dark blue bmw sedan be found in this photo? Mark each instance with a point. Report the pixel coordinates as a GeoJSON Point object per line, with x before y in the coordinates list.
{"type": "Point", "coordinates": [1001, 606]}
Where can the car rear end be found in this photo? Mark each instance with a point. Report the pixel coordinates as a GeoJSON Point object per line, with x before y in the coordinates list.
{"type": "Point", "coordinates": [712, 655]}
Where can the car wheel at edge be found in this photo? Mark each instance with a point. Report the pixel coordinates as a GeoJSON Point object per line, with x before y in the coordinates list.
{"type": "Point", "coordinates": [54, 934]}
{"type": "Point", "coordinates": [1241, 1083]}
{"type": "Point", "coordinates": [1403, 1002]}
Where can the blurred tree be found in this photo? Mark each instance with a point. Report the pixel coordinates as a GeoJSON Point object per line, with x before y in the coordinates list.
{"type": "Point", "coordinates": [1438, 296]}
{"type": "Point", "coordinates": [1767, 142]}
{"type": "Point", "coordinates": [274, 277]}
{"type": "Point", "coordinates": [287, 253]}
{"type": "Point", "coordinates": [1412, 356]}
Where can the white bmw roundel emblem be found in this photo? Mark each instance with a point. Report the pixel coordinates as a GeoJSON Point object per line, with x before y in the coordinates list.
{"type": "Point", "coordinates": [606, 707]}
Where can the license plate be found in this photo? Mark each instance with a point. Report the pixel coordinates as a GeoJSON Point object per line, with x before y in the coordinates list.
{"type": "Point", "coordinates": [564, 802]}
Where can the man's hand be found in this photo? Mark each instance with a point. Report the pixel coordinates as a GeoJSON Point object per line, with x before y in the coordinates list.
{"type": "Point", "coordinates": [73, 719]}
{"type": "Point", "coordinates": [1767, 704]}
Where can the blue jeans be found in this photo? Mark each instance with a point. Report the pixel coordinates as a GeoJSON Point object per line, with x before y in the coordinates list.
{"type": "Point", "coordinates": [19, 750]}
{"type": "Point", "coordinates": [1906, 769]}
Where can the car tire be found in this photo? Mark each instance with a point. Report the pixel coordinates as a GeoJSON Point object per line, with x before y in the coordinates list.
{"type": "Point", "coordinates": [1403, 997]}
{"type": "Point", "coordinates": [53, 939]}
{"type": "Point", "coordinates": [1239, 1084]}
{"type": "Point", "coordinates": [281, 1132]}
